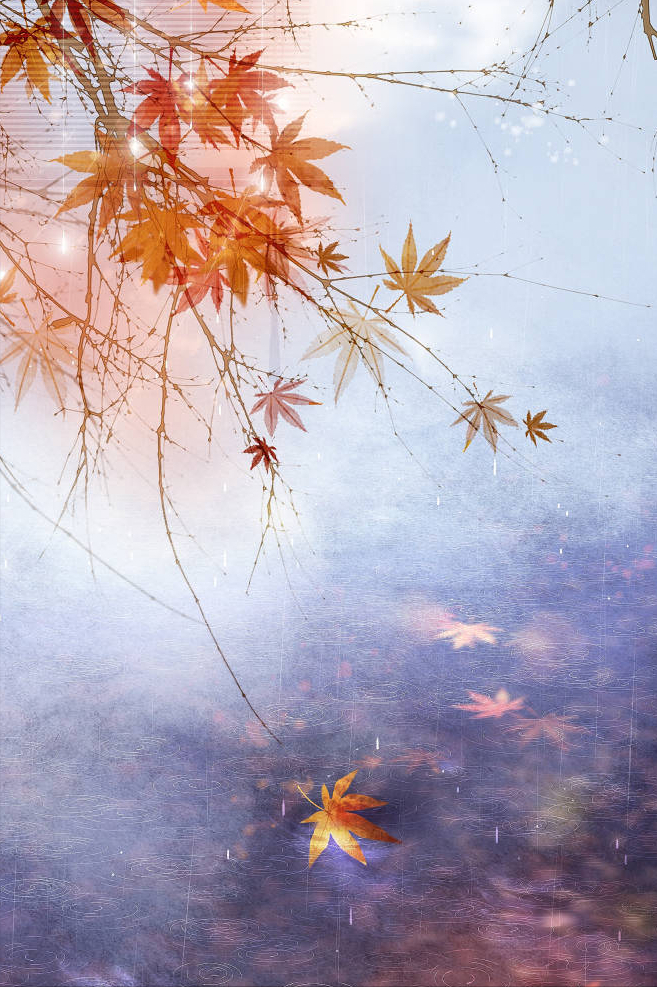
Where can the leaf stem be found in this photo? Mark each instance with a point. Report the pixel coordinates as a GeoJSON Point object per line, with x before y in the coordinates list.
{"type": "Point", "coordinates": [308, 799]}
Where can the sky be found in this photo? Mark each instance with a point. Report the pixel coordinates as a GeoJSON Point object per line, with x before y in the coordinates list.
{"type": "Point", "coordinates": [153, 832]}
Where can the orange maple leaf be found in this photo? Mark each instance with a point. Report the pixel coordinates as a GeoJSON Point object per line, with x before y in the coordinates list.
{"type": "Point", "coordinates": [30, 52]}
{"type": "Point", "coordinates": [112, 174]}
{"type": "Point", "coordinates": [289, 162]}
{"type": "Point", "coordinates": [484, 706]}
{"type": "Point", "coordinates": [157, 239]}
{"type": "Point", "coordinates": [339, 820]}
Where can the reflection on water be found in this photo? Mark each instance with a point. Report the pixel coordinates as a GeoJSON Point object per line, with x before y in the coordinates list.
{"type": "Point", "coordinates": [172, 852]}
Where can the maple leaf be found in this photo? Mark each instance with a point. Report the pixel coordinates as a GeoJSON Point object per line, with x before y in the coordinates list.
{"type": "Point", "coordinates": [338, 819]}
{"type": "Point", "coordinates": [466, 635]}
{"type": "Point", "coordinates": [261, 451]}
{"type": "Point", "coordinates": [78, 10]}
{"type": "Point", "coordinates": [29, 52]}
{"type": "Point", "coordinates": [356, 337]}
{"type": "Point", "coordinates": [484, 707]}
{"type": "Point", "coordinates": [243, 236]}
{"type": "Point", "coordinates": [163, 99]}
{"type": "Point", "coordinates": [551, 727]}
{"type": "Point", "coordinates": [113, 174]}
{"type": "Point", "coordinates": [279, 401]}
{"type": "Point", "coordinates": [242, 94]}
{"type": "Point", "coordinates": [485, 415]}
{"type": "Point", "coordinates": [198, 280]}
{"type": "Point", "coordinates": [536, 425]}
{"type": "Point", "coordinates": [289, 162]}
{"type": "Point", "coordinates": [418, 282]}
{"type": "Point", "coordinates": [7, 296]}
{"type": "Point", "coordinates": [328, 259]}
{"type": "Point", "coordinates": [158, 241]}
{"type": "Point", "coordinates": [45, 350]}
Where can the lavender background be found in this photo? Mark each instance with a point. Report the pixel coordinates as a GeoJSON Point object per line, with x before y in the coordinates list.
{"type": "Point", "coordinates": [151, 832]}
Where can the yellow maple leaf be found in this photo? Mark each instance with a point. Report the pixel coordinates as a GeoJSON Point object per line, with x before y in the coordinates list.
{"type": "Point", "coordinates": [339, 820]}
{"type": "Point", "coordinates": [418, 281]}
{"type": "Point", "coordinates": [113, 172]}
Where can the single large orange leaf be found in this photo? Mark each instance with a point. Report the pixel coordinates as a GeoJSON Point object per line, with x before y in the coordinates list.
{"type": "Point", "coordinates": [339, 819]}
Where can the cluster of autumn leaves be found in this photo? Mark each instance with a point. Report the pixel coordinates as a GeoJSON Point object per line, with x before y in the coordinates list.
{"type": "Point", "coordinates": [179, 229]}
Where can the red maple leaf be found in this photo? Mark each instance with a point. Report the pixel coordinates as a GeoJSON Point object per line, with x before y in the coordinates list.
{"type": "Point", "coordinates": [261, 451]}
{"type": "Point", "coordinates": [198, 281]}
{"type": "Point", "coordinates": [279, 401]}
{"type": "Point", "coordinates": [162, 96]}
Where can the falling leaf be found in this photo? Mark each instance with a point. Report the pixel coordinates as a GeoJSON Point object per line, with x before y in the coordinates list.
{"type": "Point", "coordinates": [548, 727]}
{"type": "Point", "coordinates": [536, 425]}
{"type": "Point", "coordinates": [328, 259]}
{"type": "Point", "coordinates": [417, 283]}
{"type": "Point", "coordinates": [289, 162]}
{"type": "Point", "coordinates": [483, 706]}
{"type": "Point", "coordinates": [356, 337]}
{"type": "Point", "coordinates": [261, 451]}
{"type": "Point", "coordinates": [466, 635]}
{"type": "Point", "coordinates": [279, 401]}
{"type": "Point", "coordinates": [339, 820]}
{"type": "Point", "coordinates": [485, 415]}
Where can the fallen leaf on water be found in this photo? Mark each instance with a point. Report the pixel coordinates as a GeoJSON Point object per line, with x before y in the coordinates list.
{"type": "Point", "coordinates": [485, 706]}
{"type": "Point", "coordinates": [549, 727]}
{"type": "Point", "coordinates": [466, 635]}
{"type": "Point", "coordinates": [338, 820]}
